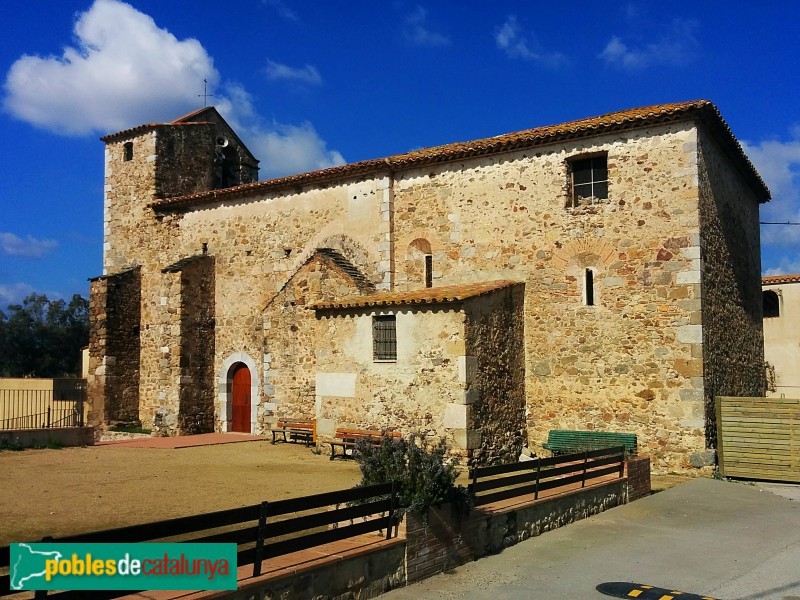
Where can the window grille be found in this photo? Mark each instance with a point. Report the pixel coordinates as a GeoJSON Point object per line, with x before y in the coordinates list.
{"type": "Point", "coordinates": [384, 337]}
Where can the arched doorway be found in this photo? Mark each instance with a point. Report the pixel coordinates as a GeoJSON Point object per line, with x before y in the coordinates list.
{"type": "Point", "coordinates": [240, 398]}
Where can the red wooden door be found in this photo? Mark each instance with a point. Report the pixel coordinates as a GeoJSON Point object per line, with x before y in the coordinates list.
{"type": "Point", "coordinates": [241, 399]}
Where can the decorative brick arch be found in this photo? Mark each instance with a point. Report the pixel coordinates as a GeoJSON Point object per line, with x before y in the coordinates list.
{"type": "Point", "coordinates": [572, 251]}
{"type": "Point", "coordinates": [224, 399]}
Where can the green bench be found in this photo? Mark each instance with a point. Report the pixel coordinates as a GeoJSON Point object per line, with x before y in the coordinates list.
{"type": "Point", "coordinates": [560, 441]}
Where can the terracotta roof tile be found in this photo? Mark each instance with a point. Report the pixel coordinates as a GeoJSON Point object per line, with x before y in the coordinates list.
{"type": "Point", "coordinates": [437, 295]}
{"type": "Point", "coordinates": [776, 279]}
{"type": "Point", "coordinates": [702, 110]}
{"type": "Point", "coordinates": [142, 128]}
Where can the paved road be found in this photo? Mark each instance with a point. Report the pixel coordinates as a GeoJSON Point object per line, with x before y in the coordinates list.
{"type": "Point", "coordinates": [722, 539]}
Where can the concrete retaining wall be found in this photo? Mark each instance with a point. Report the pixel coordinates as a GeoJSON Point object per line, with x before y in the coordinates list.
{"type": "Point", "coordinates": [38, 438]}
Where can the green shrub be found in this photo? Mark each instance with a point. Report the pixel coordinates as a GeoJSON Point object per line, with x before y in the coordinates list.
{"type": "Point", "coordinates": [13, 445]}
{"type": "Point", "coordinates": [425, 474]}
{"type": "Point", "coordinates": [131, 427]}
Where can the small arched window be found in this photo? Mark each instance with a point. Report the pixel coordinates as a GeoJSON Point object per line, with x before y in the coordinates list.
{"type": "Point", "coordinates": [588, 287]}
{"type": "Point", "coordinates": [127, 151]}
{"type": "Point", "coordinates": [420, 262]}
{"type": "Point", "coordinates": [772, 305]}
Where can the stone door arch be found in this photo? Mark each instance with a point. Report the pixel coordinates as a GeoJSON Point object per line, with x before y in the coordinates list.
{"type": "Point", "coordinates": [236, 370]}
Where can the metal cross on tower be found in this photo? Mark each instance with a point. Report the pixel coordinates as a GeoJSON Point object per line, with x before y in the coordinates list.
{"type": "Point", "coordinates": [205, 95]}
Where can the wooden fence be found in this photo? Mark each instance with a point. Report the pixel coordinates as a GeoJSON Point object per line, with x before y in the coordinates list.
{"type": "Point", "coordinates": [759, 438]}
{"type": "Point", "coordinates": [261, 531]}
{"type": "Point", "coordinates": [531, 478]}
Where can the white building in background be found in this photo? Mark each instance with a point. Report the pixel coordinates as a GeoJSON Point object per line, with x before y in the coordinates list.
{"type": "Point", "coordinates": [781, 295]}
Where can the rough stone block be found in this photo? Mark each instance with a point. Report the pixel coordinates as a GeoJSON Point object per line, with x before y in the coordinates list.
{"type": "Point", "coordinates": [469, 439]}
{"type": "Point", "coordinates": [456, 416]}
{"type": "Point", "coordinates": [688, 277]}
{"type": "Point", "coordinates": [336, 384]}
{"type": "Point", "coordinates": [690, 334]}
{"type": "Point", "coordinates": [467, 369]}
{"type": "Point", "coordinates": [706, 458]}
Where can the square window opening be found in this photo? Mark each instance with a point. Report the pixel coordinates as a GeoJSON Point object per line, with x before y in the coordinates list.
{"type": "Point", "coordinates": [588, 181]}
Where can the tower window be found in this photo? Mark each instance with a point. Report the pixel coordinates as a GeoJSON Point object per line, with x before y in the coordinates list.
{"type": "Point", "coordinates": [384, 337]}
{"type": "Point", "coordinates": [588, 287]}
{"type": "Point", "coordinates": [772, 304]}
{"type": "Point", "coordinates": [127, 151]}
{"type": "Point", "coordinates": [588, 181]}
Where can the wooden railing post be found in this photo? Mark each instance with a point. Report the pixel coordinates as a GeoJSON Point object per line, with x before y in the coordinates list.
{"type": "Point", "coordinates": [585, 461]}
{"type": "Point", "coordinates": [262, 533]}
{"type": "Point", "coordinates": [538, 474]}
{"type": "Point", "coordinates": [392, 503]}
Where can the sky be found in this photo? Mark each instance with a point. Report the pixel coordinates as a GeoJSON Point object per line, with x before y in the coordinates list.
{"type": "Point", "coordinates": [308, 85]}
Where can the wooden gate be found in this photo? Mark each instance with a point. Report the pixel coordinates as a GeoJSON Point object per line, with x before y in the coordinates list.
{"type": "Point", "coordinates": [759, 438]}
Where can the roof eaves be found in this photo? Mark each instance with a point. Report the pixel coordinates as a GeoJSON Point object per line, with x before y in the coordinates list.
{"type": "Point", "coordinates": [778, 279]}
{"type": "Point", "coordinates": [622, 120]}
{"type": "Point", "coordinates": [443, 295]}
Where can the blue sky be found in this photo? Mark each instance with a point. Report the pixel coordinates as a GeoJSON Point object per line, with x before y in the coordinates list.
{"type": "Point", "coordinates": [313, 84]}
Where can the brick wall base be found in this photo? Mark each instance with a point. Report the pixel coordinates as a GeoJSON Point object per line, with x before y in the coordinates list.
{"type": "Point", "coordinates": [638, 468]}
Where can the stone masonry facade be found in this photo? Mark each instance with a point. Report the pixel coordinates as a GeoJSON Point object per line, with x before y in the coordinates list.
{"type": "Point", "coordinates": [672, 256]}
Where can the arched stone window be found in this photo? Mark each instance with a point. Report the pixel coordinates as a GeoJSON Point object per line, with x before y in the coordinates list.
{"type": "Point", "coordinates": [420, 262]}
{"type": "Point", "coordinates": [772, 304]}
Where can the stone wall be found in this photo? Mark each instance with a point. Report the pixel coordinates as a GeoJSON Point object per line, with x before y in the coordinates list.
{"type": "Point", "coordinates": [185, 162]}
{"type": "Point", "coordinates": [633, 362]}
{"type": "Point", "coordinates": [732, 334]}
{"type": "Point", "coordinates": [410, 394]}
{"type": "Point", "coordinates": [446, 541]}
{"type": "Point", "coordinates": [495, 379]}
{"type": "Point", "coordinates": [196, 348]}
{"type": "Point", "coordinates": [114, 348]}
{"type": "Point", "coordinates": [627, 363]}
{"type": "Point", "coordinates": [290, 343]}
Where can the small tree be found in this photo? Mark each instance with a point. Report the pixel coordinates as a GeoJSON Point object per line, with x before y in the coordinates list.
{"type": "Point", "coordinates": [425, 474]}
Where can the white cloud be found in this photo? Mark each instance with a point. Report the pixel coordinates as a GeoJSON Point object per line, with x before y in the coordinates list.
{"type": "Point", "coordinates": [29, 247]}
{"type": "Point", "coordinates": [786, 266]}
{"type": "Point", "coordinates": [287, 149]}
{"type": "Point", "coordinates": [778, 162]}
{"type": "Point", "coordinates": [308, 74]}
{"type": "Point", "coordinates": [14, 293]}
{"type": "Point", "coordinates": [675, 47]}
{"type": "Point", "coordinates": [509, 39]}
{"type": "Point", "coordinates": [282, 149]}
{"type": "Point", "coordinates": [282, 10]}
{"type": "Point", "coordinates": [124, 71]}
{"type": "Point", "coordinates": [417, 31]}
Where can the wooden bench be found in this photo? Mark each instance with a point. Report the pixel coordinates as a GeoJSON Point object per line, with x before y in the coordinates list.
{"type": "Point", "coordinates": [561, 441]}
{"type": "Point", "coordinates": [348, 439]}
{"type": "Point", "coordinates": [298, 430]}
{"type": "Point", "coordinates": [260, 531]}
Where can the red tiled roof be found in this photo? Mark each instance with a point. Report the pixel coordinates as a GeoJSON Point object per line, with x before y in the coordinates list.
{"type": "Point", "coordinates": [437, 295]}
{"type": "Point", "coordinates": [702, 110]}
{"type": "Point", "coordinates": [184, 120]}
{"type": "Point", "coordinates": [776, 279]}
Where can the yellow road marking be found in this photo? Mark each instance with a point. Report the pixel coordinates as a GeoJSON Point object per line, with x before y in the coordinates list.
{"type": "Point", "coordinates": [634, 593]}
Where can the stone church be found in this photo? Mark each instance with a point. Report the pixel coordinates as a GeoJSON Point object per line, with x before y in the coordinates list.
{"type": "Point", "coordinates": [598, 274]}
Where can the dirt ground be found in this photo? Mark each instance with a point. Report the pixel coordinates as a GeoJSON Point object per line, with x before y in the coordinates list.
{"type": "Point", "coordinates": [75, 490]}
